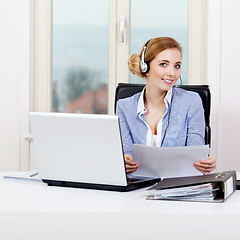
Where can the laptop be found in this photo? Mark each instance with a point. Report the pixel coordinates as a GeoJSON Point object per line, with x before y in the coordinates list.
{"type": "Point", "coordinates": [82, 150]}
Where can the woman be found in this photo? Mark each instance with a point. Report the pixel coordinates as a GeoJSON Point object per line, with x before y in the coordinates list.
{"type": "Point", "coordinates": [161, 115]}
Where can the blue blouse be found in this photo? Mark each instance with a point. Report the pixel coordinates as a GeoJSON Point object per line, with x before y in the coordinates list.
{"type": "Point", "coordinates": [182, 125]}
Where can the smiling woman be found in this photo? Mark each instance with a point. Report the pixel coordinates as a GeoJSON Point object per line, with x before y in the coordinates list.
{"type": "Point", "coordinates": [165, 18]}
{"type": "Point", "coordinates": [166, 67]}
{"type": "Point", "coordinates": [161, 115]}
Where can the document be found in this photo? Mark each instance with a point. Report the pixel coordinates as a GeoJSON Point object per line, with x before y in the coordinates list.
{"type": "Point", "coordinates": [29, 176]}
{"type": "Point", "coordinates": [214, 187]}
{"type": "Point", "coordinates": [201, 192]}
{"type": "Point", "coordinates": [167, 162]}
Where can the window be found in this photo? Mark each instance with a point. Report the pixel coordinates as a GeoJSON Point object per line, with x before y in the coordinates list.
{"type": "Point", "coordinates": [80, 56]}
{"type": "Point", "coordinates": [94, 46]}
{"type": "Point", "coordinates": [60, 54]}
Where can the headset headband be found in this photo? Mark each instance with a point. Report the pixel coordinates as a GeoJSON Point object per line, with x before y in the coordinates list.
{"type": "Point", "coordinates": [144, 66]}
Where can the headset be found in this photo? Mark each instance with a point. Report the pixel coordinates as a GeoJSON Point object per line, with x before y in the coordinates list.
{"type": "Point", "coordinates": [144, 65]}
{"type": "Point", "coordinates": [170, 108]}
{"type": "Point", "coordinates": [145, 69]}
{"type": "Point", "coordinates": [169, 115]}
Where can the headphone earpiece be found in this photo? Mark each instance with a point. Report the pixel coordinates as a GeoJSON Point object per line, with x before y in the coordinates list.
{"type": "Point", "coordinates": [144, 65]}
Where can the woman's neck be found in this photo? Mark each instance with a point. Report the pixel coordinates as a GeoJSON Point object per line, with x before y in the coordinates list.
{"type": "Point", "coordinates": [154, 96]}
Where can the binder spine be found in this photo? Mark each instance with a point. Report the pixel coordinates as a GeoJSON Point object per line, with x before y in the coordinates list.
{"type": "Point", "coordinates": [228, 187]}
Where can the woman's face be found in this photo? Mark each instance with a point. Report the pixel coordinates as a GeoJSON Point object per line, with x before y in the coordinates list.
{"type": "Point", "coordinates": [165, 69]}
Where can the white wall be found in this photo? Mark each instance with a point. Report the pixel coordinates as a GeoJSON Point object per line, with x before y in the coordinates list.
{"type": "Point", "coordinates": [229, 101]}
{"type": "Point", "coordinates": [14, 91]}
{"type": "Point", "coordinates": [9, 117]}
{"type": "Point", "coordinates": [223, 54]}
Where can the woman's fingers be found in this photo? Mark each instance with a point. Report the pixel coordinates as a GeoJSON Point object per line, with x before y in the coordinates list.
{"type": "Point", "coordinates": [205, 170]}
{"type": "Point", "coordinates": [206, 165]}
{"type": "Point", "coordinates": [130, 171]}
{"type": "Point", "coordinates": [130, 162]}
{"type": "Point", "coordinates": [131, 166]}
{"type": "Point", "coordinates": [210, 161]}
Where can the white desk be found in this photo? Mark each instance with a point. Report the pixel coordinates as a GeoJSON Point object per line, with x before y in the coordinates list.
{"type": "Point", "coordinates": [33, 210]}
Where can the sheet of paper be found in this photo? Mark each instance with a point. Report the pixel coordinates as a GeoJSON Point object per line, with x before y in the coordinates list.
{"type": "Point", "coordinates": [168, 162]}
{"type": "Point", "coordinates": [30, 176]}
{"type": "Point", "coordinates": [204, 192]}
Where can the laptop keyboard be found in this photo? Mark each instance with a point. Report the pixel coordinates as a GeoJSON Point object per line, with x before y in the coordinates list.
{"type": "Point", "coordinates": [134, 179]}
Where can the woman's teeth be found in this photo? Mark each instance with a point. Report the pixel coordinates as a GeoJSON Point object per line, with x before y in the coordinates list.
{"type": "Point", "coordinates": [167, 81]}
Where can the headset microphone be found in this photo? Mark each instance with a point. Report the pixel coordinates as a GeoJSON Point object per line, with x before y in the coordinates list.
{"type": "Point", "coordinates": [181, 80]}
{"type": "Point", "coordinates": [144, 65]}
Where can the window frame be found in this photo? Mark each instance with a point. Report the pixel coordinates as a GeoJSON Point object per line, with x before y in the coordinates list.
{"type": "Point", "coordinates": [41, 82]}
{"type": "Point", "coordinates": [117, 50]}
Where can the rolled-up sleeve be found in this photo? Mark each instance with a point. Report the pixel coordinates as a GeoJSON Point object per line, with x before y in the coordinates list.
{"type": "Point", "coordinates": [196, 122]}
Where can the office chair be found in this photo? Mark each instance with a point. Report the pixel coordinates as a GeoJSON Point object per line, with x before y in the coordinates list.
{"type": "Point", "coordinates": [127, 90]}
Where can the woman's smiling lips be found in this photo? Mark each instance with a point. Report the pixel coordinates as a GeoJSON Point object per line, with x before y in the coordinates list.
{"type": "Point", "coordinates": [167, 81]}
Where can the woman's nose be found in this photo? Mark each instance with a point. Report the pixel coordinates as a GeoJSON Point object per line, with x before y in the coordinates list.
{"type": "Point", "coordinates": [170, 71]}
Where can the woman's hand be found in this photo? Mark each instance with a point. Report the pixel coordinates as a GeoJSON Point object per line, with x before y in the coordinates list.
{"type": "Point", "coordinates": [206, 165]}
{"type": "Point", "coordinates": [131, 166]}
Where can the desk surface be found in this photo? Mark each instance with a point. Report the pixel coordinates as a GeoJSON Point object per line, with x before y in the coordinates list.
{"type": "Point", "coordinates": [70, 213]}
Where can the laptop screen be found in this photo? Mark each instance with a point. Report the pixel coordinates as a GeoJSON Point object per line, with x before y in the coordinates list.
{"type": "Point", "coordinates": [78, 148]}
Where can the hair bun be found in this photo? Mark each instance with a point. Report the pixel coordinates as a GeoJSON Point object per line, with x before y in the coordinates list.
{"type": "Point", "coordinates": [134, 62]}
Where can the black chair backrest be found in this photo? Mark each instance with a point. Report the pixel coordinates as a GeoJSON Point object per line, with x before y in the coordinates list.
{"type": "Point", "coordinates": [128, 89]}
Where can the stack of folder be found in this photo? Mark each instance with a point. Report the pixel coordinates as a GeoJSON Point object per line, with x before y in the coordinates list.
{"type": "Point", "coordinates": [205, 188]}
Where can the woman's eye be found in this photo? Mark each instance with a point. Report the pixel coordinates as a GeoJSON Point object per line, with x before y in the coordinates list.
{"type": "Point", "coordinates": [178, 66]}
{"type": "Point", "coordinates": [163, 64]}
